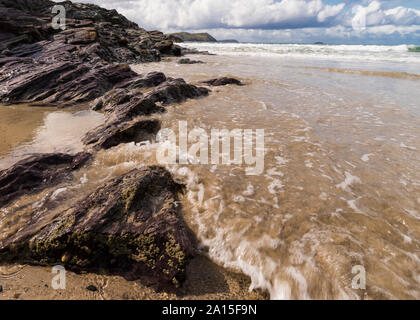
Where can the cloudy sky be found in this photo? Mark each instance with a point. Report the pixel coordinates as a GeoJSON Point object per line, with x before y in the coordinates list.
{"type": "Point", "coordinates": [291, 21]}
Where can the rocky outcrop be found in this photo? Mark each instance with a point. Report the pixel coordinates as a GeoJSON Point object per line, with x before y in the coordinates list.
{"type": "Point", "coordinates": [112, 134]}
{"type": "Point", "coordinates": [126, 109]}
{"type": "Point", "coordinates": [40, 65]}
{"type": "Point", "coordinates": [176, 91]}
{"type": "Point", "coordinates": [222, 82]}
{"type": "Point", "coordinates": [38, 172]}
{"type": "Point", "coordinates": [189, 61]}
{"type": "Point", "coordinates": [130, 226]}
{"type": "Point", "coordinates": [149, 80]}
{"type": "Point", "coordinates": [63, 83]}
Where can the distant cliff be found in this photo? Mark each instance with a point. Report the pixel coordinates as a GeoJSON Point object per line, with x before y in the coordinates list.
{"type": "Point", "coordinates": [195, 37]}
{"type": "Point", "coordinates": [229, 41]}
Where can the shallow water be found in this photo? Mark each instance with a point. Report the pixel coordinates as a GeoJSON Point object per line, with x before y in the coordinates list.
{"type": "Point", "coordinates": [26, 130]}
{"type": "Point", "coordinates": [341, 185]}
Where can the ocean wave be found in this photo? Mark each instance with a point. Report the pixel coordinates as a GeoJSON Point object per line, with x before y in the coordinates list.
{"type": "Point", "coordinates": [400, 53]}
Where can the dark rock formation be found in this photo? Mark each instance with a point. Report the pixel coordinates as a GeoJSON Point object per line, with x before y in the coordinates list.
{"type": "Point", "coordinates": [124, 106]}
{"type": "Point", "coordinates": [149, 80]}
{"type": "Point", "coordinates": [114, 133]}
{"type": "Point", "coordinates": [189, 61]}
{"type": "Point", "coordinates": [62, 83]}
{"type": "Point", "coordinates": [176, 91]}
{"type": "Point", "coordinates": [129, 226]}
{"type": "Point", "coordinates": [38, 172]}
{"type": "Point", "coordinates": [223, 82]}
{"type": "Point", "coordinates": [40, 65]}
{"type": "Point", "coordinates": [167, 47]}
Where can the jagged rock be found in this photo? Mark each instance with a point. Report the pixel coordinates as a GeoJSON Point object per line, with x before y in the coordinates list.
{"type": "Point", "coordinates": [70, 66]}
{"type": "Point", "coordinates": [129, 226]}
{"type": "Point", "coordinates": [189, 61]}
{"type": "Point", "coordinates": [114, 133]}
{"type": "Point", "coordinates": [167, 47]}
{"type": "Point", "coordinates": [38, 172]}
{"type": "Point", "coordinates": [61, 83]}
{"type": "Point", "coordinates": [18, 27]}
{"type": "Point", "coordinates": [123, 106]}
{"type": "Point", "coordinates": [83, 11]}
{"type": "Point", "coordinates": [222, 82]}
{"type": "Point", "coordinates": [175, 91]}
{"type": "Point", "coordinates": [149, 80]}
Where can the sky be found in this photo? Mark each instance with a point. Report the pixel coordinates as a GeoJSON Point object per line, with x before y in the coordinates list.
{"type": "Point", "coordinates": [280, 21]}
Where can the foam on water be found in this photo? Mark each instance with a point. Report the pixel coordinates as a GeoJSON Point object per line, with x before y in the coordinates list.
{"type": "Point", "coordinates": [373, 53]}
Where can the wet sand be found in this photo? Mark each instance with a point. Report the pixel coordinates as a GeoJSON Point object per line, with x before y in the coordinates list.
{"type": "Point", "coordinates": [205, 281]}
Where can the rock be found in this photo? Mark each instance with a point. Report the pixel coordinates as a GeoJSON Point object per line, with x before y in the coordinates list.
{"type": "Point", "coordinates": [81, 11]}
{"type": "Point", "coordinates": [175, 91]}
{"type": "Point", "coordinates": [129, 226]}
{"type": "Point", "coordinates": [124, 106]}
{"type": "Point", "coordinates": [149, 80]}
{"type": "Point", "coordinates": [81, 35]}
{"type": "Point", "coordinates": [114, 133]}
{"type": "Point", "coordinates": [75, 65]}
{"type": "Point", "coordinates": [37, 173]}
{"type": "Point", "coordinates": [62, 83]}
{"type": "Point", "coordinates": [1, 288]}
{"type": "Point", "coordinates": [91, 288]}
{"type": "Point", "coordinates": [223, 82]}
{"type": "Point", "coordinates": [189, 61]}
{"type": "Point", "coordinates": [167, 47]}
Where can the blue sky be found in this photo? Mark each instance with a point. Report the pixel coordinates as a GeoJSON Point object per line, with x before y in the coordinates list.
{"type": "Point", "coordinates": [283, 21]}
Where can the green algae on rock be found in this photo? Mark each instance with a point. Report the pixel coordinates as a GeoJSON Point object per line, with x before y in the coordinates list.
{"type": "Point", "coordinates": [129, 226]}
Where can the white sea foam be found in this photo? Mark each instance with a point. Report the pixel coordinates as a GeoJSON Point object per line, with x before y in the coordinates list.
{"type": "Point", "coordinates": [366, 157]}
{"type": "Point", "coordinates": [57, 192]}
{"type": "Point", "coordinates": [319, 52]}
{"type": "Point", "coordinates": [350, 180]}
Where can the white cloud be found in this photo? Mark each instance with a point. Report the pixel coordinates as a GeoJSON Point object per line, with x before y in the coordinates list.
{"type": "Point", "coordinates": [377, 16]}
{"type": "Point", "coordinates": [274, 20]}
{"type": "Point", "coordinates": [196, 14]}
